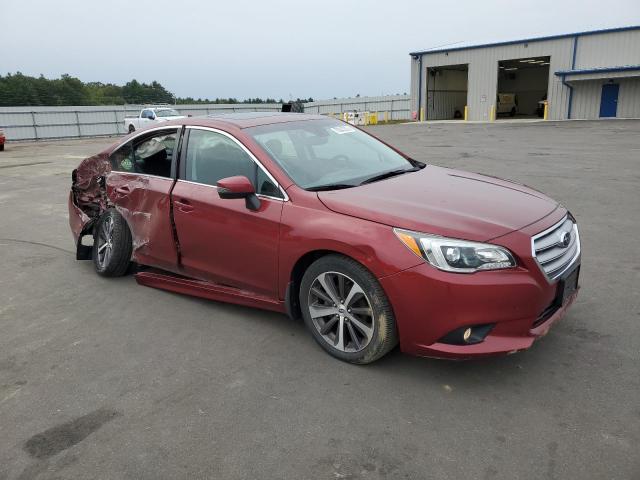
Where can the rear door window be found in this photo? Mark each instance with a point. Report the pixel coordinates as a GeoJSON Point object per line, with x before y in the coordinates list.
{"type": "Point", "coordinates": [150, 154]}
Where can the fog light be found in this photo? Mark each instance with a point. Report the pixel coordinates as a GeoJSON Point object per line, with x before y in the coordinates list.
{"type": "Point", "coordinates": [466, 335]}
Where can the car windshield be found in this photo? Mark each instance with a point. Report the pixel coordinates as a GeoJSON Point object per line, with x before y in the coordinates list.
{"type": "Point", "coordinates": [167, 112]}
{"type": "Point", "coordinates": [326, 153]}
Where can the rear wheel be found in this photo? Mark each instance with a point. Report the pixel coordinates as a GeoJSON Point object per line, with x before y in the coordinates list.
{"type": "Point", "coordinates": [132, 129]}
{"type": "Point", "coordinates": [512, 113]}
{"type": "Point", "coordinates": [112, 245]}
{"type": "Point", "coordinates": [1, 147]}
{"type": "Point", "coordinates": [346, 310]}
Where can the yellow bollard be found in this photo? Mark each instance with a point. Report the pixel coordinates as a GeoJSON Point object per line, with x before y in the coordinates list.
{"type": "Point", "coordinates": [492, 113]}
{"type": "Point", "coordinates": [466, 112]}
{"type": "Point", "coordinates": [374, 118]}
{"type": "Point", "coordinates": [546, 111]}
{"type": "Point", "coordinates": [422, 114]}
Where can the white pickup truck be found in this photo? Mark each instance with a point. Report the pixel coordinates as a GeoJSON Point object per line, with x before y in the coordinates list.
{"type": "Point", "coordinates": [149, 116]}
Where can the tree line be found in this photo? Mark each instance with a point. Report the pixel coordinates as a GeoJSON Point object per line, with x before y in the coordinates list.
{"type": "Point", "coordinates": [23, 90]}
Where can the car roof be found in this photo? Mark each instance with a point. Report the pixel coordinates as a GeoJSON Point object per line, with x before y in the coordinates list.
{"type": "Point", "coordinates": [247, 119]}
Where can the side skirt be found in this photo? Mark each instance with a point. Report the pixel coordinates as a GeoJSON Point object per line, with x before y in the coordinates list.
{"type": "Point", "coordinates": [212, 291]}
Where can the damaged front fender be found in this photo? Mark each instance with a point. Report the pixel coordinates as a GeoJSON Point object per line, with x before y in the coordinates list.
{"type": "Point", "coordinates": [88, 199]}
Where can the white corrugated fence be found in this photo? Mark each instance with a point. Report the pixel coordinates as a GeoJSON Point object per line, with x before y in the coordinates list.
{"type": "Point", "coordinates": [396, 106]}
{"type": "Point", "coordinates": [41, 123]}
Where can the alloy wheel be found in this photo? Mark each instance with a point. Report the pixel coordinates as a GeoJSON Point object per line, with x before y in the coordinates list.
{"type": "Point", "coordinates": [341, 312]}
{"type": "Point", "coordinates": [105, 242]}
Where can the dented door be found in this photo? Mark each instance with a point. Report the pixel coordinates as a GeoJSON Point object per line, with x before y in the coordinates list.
{"type": "Point", "coordinates": [143, 201]}
{"type": "Point", "coordinates": [139, 187]}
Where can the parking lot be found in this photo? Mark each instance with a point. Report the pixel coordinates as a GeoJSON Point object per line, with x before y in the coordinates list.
{"type": "Point", "coordinates": [103, 378]}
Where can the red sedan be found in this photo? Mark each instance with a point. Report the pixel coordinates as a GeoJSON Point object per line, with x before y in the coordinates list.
{"type": "Point", "coordinates": [313, 217]}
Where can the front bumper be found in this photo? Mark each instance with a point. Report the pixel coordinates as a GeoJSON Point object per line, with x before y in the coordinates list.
{"type": "Point", "coordinates": [520, 303]}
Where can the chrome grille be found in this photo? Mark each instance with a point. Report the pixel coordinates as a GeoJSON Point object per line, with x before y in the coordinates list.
{"type": "Point", "coordinates": [557, 248]}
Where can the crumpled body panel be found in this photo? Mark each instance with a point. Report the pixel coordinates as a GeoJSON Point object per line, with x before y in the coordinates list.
{"type": "Point", "coordinates": [88, 197]}
{"type": "Point", "coordinates": [88, 187]}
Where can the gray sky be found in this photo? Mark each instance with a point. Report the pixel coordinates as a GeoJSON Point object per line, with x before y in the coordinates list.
{"type": "Point", "coordinates": [275, 48]}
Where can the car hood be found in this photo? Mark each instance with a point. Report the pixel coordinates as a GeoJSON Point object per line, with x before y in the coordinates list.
{"type": "Point", "coordinates": [444, 202]}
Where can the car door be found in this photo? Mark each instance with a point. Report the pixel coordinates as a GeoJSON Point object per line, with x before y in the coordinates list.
{"type": "Point", "coordinates": [221, 240]}
{"type": "Point", "coordinates": [139, 184]}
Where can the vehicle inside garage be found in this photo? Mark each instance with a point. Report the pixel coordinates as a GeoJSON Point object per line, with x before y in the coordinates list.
{"type": "Point", "coordinates": [447, 92]}
{"type": "Point", "coordinates": [522, 87]}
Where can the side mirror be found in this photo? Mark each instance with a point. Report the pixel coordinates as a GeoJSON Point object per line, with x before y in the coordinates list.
{"type": "Point", "coordinates": [239, 187]}
{"type": "Point", "coordinates": [152, 117]}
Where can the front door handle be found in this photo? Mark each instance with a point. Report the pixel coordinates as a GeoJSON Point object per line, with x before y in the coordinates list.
{"type": "Point", "coordinates": [183, 205]}
{"type": "Point", "coordinates": [124, 190]}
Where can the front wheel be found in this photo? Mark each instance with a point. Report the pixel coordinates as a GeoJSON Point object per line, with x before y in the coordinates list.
{"type": "Point", "coordinates": [112, 245]}
{"type": "Point", "coordinates": [132, 129]}
{"type": "Point", "coordinates": [346, 310]}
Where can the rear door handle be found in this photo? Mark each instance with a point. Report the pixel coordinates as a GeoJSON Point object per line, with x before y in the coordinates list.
{"type": "Point", "coordinates": [183, 205]}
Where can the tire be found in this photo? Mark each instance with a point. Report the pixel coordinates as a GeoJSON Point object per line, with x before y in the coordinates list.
{"type": "Point", "coordinates": [2, 147]}
{"type": "Point", "coordinates": [512, 113]}
{"type": "Point", "coordinates": [367, 334]}
{"type": "Point", "coordinates": [132, 129]}
{"type": "Point", "coordinates": [112, 245]}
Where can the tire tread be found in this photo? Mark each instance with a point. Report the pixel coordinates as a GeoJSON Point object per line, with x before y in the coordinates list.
{"type": "Point", "coordinates": [122, 241]}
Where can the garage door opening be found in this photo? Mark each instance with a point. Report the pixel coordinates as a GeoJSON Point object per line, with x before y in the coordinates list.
{"type": "Point", "coordinates": [447, 92]}
{"type": "Point", "coordinates": [522, 87]}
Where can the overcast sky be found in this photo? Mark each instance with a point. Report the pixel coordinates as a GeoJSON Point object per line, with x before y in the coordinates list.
{"type": "Point", "coordinates": [271, 48]}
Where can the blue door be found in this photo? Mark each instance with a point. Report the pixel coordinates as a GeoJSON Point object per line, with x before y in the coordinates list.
{"type": "Point", "coordinates": [609, 100]}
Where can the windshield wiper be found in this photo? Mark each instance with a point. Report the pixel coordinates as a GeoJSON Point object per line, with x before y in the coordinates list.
{"type": "Point", "coordinates": [330, 186]}
{"type": "Point", "coordinates": [392, 173]}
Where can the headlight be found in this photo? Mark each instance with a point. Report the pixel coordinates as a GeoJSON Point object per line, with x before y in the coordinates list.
{"type": "Point", "coordinates": [456, 255]}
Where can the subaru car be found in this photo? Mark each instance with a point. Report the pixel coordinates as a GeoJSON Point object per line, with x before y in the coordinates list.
{"type": "Point", "coordinates": [313, 217]}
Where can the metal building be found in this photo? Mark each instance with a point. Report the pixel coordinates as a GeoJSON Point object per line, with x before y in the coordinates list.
{"type": "Point", "coordinates": [585, 75]}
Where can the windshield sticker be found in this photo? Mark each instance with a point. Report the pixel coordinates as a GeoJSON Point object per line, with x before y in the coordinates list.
{"type": "Point", "coordinates": [343, 129]}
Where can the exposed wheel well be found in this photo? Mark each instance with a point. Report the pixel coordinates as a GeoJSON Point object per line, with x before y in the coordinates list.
{"type": "Point", "coordinates": [293, 288]}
